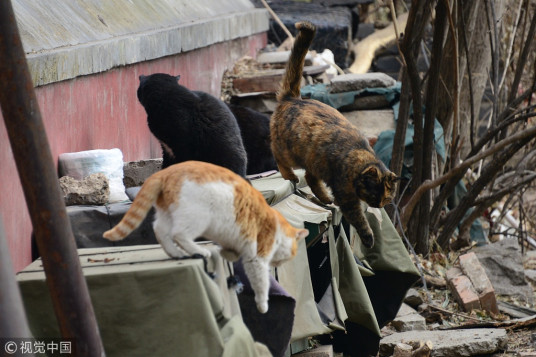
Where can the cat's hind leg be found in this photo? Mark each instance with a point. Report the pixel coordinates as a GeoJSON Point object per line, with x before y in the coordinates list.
{"type": "Point", "coordinates": [163, 236]}
{"type": "Point", "coordinates": [318, 189]}
{"type": "Point", "coordinates": [184, 234]}
{"type": "Point", "coordinates": [258, 274]}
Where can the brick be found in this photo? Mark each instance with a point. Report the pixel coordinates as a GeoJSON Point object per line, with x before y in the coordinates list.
{"type": "Point", "coordinates": [462, 289]}
{"type": "Point", "coordinates": [472, 268]}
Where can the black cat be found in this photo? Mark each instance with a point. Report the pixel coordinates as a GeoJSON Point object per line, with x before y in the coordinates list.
{"type": "Point", "coordinates": [191, 125]}
{"type": "Point", "coordinates": [255, 130]}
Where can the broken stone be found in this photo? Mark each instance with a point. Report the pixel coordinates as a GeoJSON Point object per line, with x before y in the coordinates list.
{"type": "Point", "coordinates": [92, 190]}
{"type": "Point", "coordinates": [402, 350]}
{"type": "Point", "coordinates": [413, 298]}
{"type": "Point", "coordinates": [136, 172]}
{"type": "Point", "coordinates": [408, 319]}
{"type": "Point", "coordinates": [452, 343]}
{"type": "Point", "coordinates": [462, 289]}
{"type": "Point", "coordinates": [472, 268]}
{"type": "Point", "coordinates": [354, 82]}
{"type": "Point", "coordinates": [502, 262]}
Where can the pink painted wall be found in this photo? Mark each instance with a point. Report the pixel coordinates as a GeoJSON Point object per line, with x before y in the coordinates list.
{"type": "Point", "coordinates": [102, 111]}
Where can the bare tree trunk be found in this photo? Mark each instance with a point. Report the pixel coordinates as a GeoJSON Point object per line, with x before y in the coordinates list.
{"type": "Point", "coordinates": [479, 64]}
{"type": "Point", "coordinates": [422, 221]}
{"type": "Point", "coordinates": [418, 17]}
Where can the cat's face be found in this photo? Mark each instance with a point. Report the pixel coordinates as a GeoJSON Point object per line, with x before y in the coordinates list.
{"type": "Point", "coordinates": [289, 241]}
{"type": "Point", "coordinates": [376, 186]}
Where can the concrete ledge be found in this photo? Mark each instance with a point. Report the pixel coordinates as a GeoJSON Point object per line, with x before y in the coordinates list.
{"type": "Point", "coordinates": [64, 40]}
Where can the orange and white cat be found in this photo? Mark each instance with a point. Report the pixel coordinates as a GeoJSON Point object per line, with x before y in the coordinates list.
{"type": "Point", "coordinates": [197, 199]}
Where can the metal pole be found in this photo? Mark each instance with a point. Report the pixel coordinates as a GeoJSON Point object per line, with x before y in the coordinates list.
{"type": "Point", "coordinates": [68, 289]}
{"type": "Point", "coordinates": [13, 323]}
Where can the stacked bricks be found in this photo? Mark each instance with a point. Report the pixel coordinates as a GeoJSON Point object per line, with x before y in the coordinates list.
{"type": "Point", "coordinates": [471, 286]}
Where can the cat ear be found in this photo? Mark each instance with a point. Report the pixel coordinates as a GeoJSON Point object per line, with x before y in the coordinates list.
{"type": "Point", "coordinates": [301, 234]}
{"type": "Point", "coordinates": [178, 77]}
{"type": "Point", "coordinates": [395, 178]}
{"type": "Point", "coordinates": [371, 171]}
{"type": "Point", "coordinates": [142, 78]}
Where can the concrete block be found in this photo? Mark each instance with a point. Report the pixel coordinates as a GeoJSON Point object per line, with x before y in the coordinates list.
{"type": "Point", "coordinates": [462, 289]}
{"type": "Point", "coordinates": [136, 172]}
{"type": "Point", "coordinates": [407, 319]}
{"type": "Point", "coordinates": [412, 322]}
{"type": "Point", "coordinates": [320, 351]}
{"type": "Point", "coordinates": [472, 268]}
{"type": "Point", "coordinates": [354, 82]}
{"type": "Point", "coordinates": [92, 190]}
{"type": "Point", "coordinates": [453, 343]}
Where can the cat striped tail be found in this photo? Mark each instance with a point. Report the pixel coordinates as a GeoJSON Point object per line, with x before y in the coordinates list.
{"type": "Point", "coordinates": [137, 212]}
{"type": "Point", "coordinates": [290, 86]}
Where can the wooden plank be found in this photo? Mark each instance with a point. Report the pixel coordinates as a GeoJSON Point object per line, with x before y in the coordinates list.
{"type": "Point", "coordinates": [269, 80]}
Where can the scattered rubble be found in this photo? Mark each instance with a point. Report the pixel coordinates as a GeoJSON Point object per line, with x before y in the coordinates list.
{"type": "Point", "coordinates": [92, 190]}
{"type": "Point", "coordinates": [461, 326]}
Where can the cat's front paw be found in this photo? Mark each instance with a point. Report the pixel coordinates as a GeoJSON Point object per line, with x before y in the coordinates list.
{"type": "Point", "coordinates": [367, 240]}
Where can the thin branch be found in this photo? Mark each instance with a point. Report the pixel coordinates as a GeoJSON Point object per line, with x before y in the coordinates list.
{"type": "Point", "coordinates": [469, 77]}
{"type": "Point", "coordinates": [513, 32]}
{"type": "Point", "coordinates": [430, 184]}
{"type": "Point", "coordinates": [523, 59]}
{"type": "Point", "coordinates": [456, 94]}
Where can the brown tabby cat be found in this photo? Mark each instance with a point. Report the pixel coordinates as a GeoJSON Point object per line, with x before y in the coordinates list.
{"type": "Point", "coordinates": [311, 135]}
{"type": "Point", "coordinates": [197, 199]}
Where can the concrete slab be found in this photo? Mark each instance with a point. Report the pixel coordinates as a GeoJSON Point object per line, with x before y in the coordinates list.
{"type": "Point", "coordinates": [371, 122]}
{"type": "Point", "coordinates": [452, 343]}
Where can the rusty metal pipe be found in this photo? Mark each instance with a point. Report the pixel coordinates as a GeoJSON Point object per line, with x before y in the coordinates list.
{"type": "Point", "coordinates": [66, 283]}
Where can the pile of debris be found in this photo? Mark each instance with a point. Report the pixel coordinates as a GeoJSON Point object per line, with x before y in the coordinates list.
{"type": "Point", "coordinates": [364, 99]}
{"type": "Point", "coordinates": [471, 303]}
